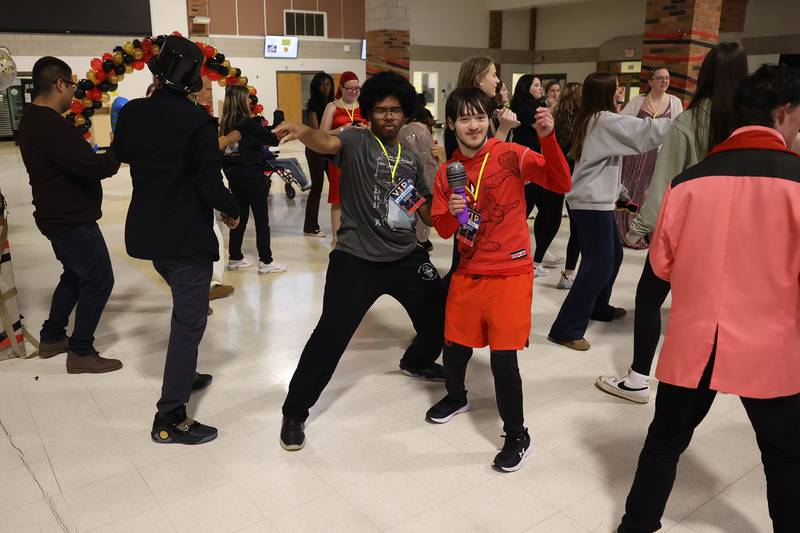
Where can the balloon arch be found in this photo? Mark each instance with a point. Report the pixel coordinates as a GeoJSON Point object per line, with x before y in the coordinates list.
{"type": "Point", "coordinates": [109, 70]}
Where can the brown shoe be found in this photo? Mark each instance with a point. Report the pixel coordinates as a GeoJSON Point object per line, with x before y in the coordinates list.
{"type": "Point", "coordinates": [580, 344]}
{"type": "Point", "coordinates": [91, 364]}
{"type": "Point", "coordinates": [51, 349]}
{"type": "Point", "coordinates": [220, 291]}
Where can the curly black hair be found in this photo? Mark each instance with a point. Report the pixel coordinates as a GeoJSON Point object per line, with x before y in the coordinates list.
{"type": "Point", "coordinates": [383, 85]}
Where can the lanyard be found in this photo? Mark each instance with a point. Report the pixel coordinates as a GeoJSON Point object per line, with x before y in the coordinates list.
{"type": "Point", "coordinates": [480, 177]}
{"type": "Point", "coordinates": [655, 111]}
{"type": "Point", "coordinates": [351, 112]}
{"type": "Point", "coordinates": [393, 169]}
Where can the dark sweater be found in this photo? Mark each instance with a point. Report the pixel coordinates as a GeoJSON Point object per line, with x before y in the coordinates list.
{"type": "Point", "coordinates": [172, 147]}
{"type": "Point", "coordinates": [525, 134]}
{"type": "Point", "coordinates": [64, 171]}
{"type": "Point", "coordinates": [254, 136]}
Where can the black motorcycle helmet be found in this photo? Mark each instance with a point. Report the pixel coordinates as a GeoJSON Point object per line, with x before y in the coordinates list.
{"type": "Point", "coordinates": [178, 65]}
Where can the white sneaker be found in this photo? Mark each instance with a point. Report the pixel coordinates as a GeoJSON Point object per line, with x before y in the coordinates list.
{"type": "Point", "coordinates": [241, 263]}
{"type": "Point", "coordinates": [565, 283]}
{"type": "Point", "coordinates": [539, 271]}
{"type": "Point", "coordinates": [551, 261]}
{"type": "Point", "coordinates": [621, 387]}
{"type": "Point", "coordinates": [272, 268]}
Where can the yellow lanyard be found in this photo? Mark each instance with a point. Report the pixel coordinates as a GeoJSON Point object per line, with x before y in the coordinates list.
{"type": "Point", "coordinates": [351, 112]}
{"type": "Point", "coordinates": [480, 177]}
{"type": "Point", "coordinates": [655, 111]}
{"type": "Point", "coordinates": [393, 169]}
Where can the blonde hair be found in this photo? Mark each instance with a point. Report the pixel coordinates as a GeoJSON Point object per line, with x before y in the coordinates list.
{"type": "Point", "coordinates": [472, 70]}
{"type": "Point", "coordinates": [235, 108]}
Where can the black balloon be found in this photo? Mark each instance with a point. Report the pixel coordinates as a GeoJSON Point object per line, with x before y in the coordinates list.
{"type": "Point", "coordinates": [85, 85]}
{"type": "Point", "coordinates": [212, 64]}
{"type": "Point", "coordinates": [88, 123]}
{"type": "Point", "coordinates": [79, 93]}
{"type": "Point", "coordinates": [237, 73]}
{"type": "Point", "coordinates": [223, 70]}
{"type": "Point", "coordinates": [70, 117]}
{"type": "Point", "coordinates": [160, 40]}
{"type": "Point", "coordinates": [97, 104]}
{"type": "Point", "coordinates": [137, 43]}
{"type": "Point", "coordinates": [119, 69]}
{"type": "Point", "coordinates": [104, 86]}
{"type": "Point", "coordinates": [253, 99]}
{"type": "Point", "coordinates": [88, 112]}
{"type": "Point", "coordinates": [119, 49]}
{"type": "Point", "coordinates": [113, 87]}
{"type": "Point", "coordinates": [219, 58]}
{"type": "Point", "coordinates": [127, 59]}
{"type": "Point", "coordinates": [108, 65]}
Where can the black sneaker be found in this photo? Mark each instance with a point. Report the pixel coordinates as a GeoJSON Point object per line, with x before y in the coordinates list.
{"type": "Point", "coordinates": [434, 372]}
{"type": "Point", "coordinates": [293, 437]}
{"type": "Point", "coordinates": [516, 448]}
{"type": "Point", "coordinates": [181, 430]}
{"type": "Point", "coordinates": [201, 381]}
{"type": "Point", "coordinates": [445, 410]}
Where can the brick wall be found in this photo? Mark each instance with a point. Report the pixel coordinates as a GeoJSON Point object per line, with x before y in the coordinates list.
{"type": "Point", "coordinates": [733, 16]}
{"type": "Point", "coordinates": [388, 50]}
{"type": "Point", "coordinates": [678, 34]}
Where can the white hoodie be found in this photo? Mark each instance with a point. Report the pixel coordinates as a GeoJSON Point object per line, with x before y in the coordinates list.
{"type": "Point", "coordinates": [596, 179]}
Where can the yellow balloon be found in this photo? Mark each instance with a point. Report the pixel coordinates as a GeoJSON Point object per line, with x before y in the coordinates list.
{"type": "Point", "coordinates": [128, 69]}
{"type": "Point", "coordinates": [138, 54]}
{"type": "Point", "coordinates": [155, 49]}
{"type": "Point", "coordinates": [226, 63]}
{"type": "Point", "coordinates": [90, 76]}
{"type": "Point", "coordinates": [113, 78]}
{"type": "Point", "coordinates": [105, 98]}
{"type": "Point", "coordinates": [80, 120]}
{"type": "Point", "coordinates": [222, 82]}
{"type": "Point", "coordinates": [86, 102]}
{"type": "Point", "coordinates": [243, 80]}
{"type": "Point", "coordinates": [128, 47]}
{"type": "Point", "coordinates": [117, 58]}
{"type": "Point", "coordinates": [120, 77]}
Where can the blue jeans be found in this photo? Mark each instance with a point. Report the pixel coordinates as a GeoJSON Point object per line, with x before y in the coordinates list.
{"type": "Point", "coordinates": [85, 286]}
{"type": "Point", "coordinates": [293, 165]}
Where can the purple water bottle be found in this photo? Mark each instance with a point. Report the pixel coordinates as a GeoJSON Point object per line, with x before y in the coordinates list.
{"type": "Point", "coordinates": [457, 179]}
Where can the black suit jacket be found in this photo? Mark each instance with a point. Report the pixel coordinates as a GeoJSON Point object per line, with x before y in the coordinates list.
{"type": "Point", "coordinates": [172, 147]}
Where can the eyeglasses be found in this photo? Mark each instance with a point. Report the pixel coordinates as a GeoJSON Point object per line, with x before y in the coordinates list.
{"type": "Point", "coordinates": [660, 78]}
{"type": "Point", "coordinates": [68, 82]}
{"type": "Point", "coordinates": [353, 89]}
{"type": "Point", "coordinates": [381, 112]}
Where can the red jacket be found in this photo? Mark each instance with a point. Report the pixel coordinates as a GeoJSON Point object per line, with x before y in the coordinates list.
{"type": "Point", "coordinates": [503, 246]}
{"type": "Point", "coordinates": [728, 240]}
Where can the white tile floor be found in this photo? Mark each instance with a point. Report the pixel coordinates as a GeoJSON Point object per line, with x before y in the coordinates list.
{"type": "Point", "coordinates": [76, 453]}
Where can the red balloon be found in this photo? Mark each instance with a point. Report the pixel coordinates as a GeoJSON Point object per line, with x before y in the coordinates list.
{"type": "Point", "coordinates": [201, 46]}
{"type": "Point", "coordinates": [210, 51]}
{"type": "Point", "coordinates": [87, 135]}
{"type": "Point", "coordinates": [97, 64]}
{"type": "Point", "coordinates": [100, 76]}
{"type": "Point", "coordinates": [147, 44]}
{"type": "Point", "coordinates": [258, 108]}
{"type": "Point", "coordinates": [76, 107]}
{"type": "Point", "coordinates": [94, 94]}
{"type": "Point", "coordinates": [107, 56]}
{"type": "Point", "coordinates": [138, 65]}
{"type": "Point", "coordinates": [176, 32]}
{"type": "Point", "coordinates": [232, 80]}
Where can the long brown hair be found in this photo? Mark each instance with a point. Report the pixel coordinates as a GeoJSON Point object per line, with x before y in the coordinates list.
{"type": "Point", "coordinates": [235, 108]}
{"type": "Point", "coordinates": [566, 112]}
{"type": "Point", "coordinates": [723, 70]}
{"type": "Point", "coordinates": [599, 89]}
{"type": "Point", "coordinates": [472, 70]}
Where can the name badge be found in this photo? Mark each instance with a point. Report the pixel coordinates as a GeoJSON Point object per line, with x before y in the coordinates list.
{"type": "Point", "coordinates": [468, 232]}
{"type": "Point", "coordinates": [406, 196]}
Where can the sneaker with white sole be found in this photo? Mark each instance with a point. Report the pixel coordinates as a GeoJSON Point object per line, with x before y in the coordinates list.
{"type": "Point", "coordinates": [539, 271]}
{"type": "Point", "coordinates": [272, 268]}
{"type": "Point", "coordinates": [319, 234]}
{"type": "Point", "coordinates": [551, 260]}
{"type": "Point", "coordinates": [515, 449]}
{"type": "Point", "coordinates": [445, 409]}
{"type": "Point", "coordinates": [622, 387]}
{"type": "Point", "coordinates": [565, 283]}
{"type": "Point", "coordinates": [240, 264]}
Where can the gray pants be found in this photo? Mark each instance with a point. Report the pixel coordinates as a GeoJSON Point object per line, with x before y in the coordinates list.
{"type": "Point", "coordinates": [189, 279]}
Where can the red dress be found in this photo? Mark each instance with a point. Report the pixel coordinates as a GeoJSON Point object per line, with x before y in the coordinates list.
{"type": "Point", "coordinates": [341, 117]}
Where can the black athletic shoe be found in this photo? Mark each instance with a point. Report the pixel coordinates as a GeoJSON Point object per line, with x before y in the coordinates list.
{"type": "Point", "coordinates": [181, 430]}
{"type": "Point", "coordinates": [293, 437]}
{"type": "Point", "coordinates": [445, 410]}
{"type": "Point", "coordinates": [201, 381]}
{"type": "Point", "coordinates": [435, 372]}
{"type": "Point", "coordinates": [516, 448]}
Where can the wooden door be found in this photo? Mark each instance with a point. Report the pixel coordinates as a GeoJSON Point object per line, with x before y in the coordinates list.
{"type": "Point", "coordinates": [289, 96]}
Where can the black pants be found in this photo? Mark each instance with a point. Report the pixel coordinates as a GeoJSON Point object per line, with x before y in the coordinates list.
{"type": "Point", "coordinates": [507, 382]}
{"type": "Point", "coordinates": [249, 186]}
{"type": "Point", "coordinates": [678, 412]}
{"type": "Point", "coordinates": [317, 166]}
{"type": "Point", "coordinates": [650, 295]}
{"type": "Point", "coordinates": [591, 291]}
{"type": "Point", "coordinates": [548, 217]}
{"type": "Point", "coordinates": [86, 283]}
{"type": "Point", "coordinates": [189, 280]}
{"type": "Point", "coordinates": [574, 243]}
{"type": "Point", "coordinates": [351, 287]}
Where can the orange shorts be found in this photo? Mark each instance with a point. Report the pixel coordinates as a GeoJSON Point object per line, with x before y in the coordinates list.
{"type": "Point", "coordinates": [492, 311]}
{"type": "Point", "coordinates": [334, 173]}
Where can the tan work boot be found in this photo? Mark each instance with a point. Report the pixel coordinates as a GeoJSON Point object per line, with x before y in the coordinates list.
{"type": "Point", "coordinates": [578, 344]}
{"type": "Point", "coordinates": [220, 291]}
{"type": "Point", "coordinates": [91, 364]}
{"type": "Point", "coordinates": [51, 349]}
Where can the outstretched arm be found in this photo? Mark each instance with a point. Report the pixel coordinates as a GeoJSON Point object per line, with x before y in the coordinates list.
{"type": "Point", "coordinates": [317, 140]}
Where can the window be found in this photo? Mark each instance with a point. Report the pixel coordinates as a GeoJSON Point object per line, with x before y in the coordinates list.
{"type": "Point", "coordinates": [305, 23]}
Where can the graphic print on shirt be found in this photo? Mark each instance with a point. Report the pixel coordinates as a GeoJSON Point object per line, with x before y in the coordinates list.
{"type": "Point", "coordinates": [386, 212]}
{"type": "Point", "coordinates": [492, 207]}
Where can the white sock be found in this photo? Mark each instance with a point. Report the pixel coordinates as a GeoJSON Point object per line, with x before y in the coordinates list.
{"type": "Point", "coordinates": [637, 380]}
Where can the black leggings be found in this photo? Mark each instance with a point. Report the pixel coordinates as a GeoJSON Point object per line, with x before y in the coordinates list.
{"type": "Point", "coordinates": [507, 382]}
{"type": "Point", "coordinates": [548, 218]}
{"type": "Point", "coordinates": [249, 187]}
{"type": "Point", "coordinates": [650, 295]}
{"type": "Point", "coordinates": [574, 243]}
{"type": "Point", "coordinates": [317, 166]}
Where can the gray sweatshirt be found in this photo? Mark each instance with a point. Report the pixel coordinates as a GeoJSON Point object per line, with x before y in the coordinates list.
{"type": "Point", "coordinates": [596, 179]}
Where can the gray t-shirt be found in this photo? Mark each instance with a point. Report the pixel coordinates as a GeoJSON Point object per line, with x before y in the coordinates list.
{"type": "Point", "coordinates": [373, 226]}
